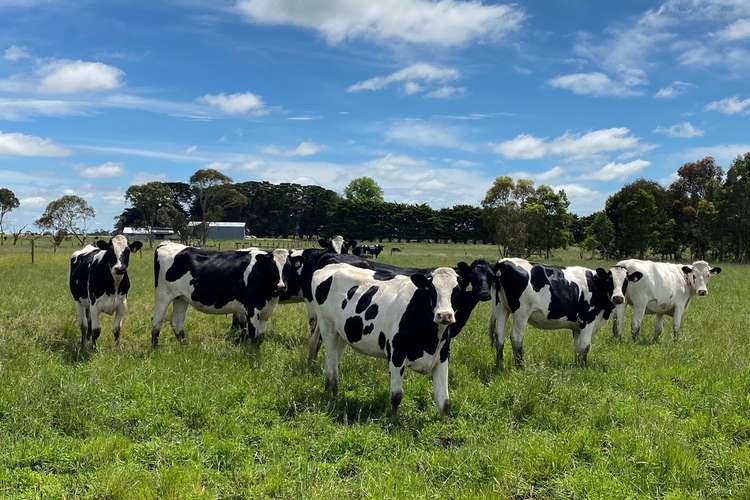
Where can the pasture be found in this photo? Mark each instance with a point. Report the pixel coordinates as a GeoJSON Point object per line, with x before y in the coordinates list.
{"type": "Point", "coordinates": [210, 418]}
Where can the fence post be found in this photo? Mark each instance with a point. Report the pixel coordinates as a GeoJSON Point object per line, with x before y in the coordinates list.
{"type": "Point", "coordinates": [32, 251]}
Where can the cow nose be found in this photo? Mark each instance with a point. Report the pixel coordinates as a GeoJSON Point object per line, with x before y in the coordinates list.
{"type": "Point", "coordinates": [119, 270]}
{"type": "Point", "coordinates": [280, 288]}
{"type": "Point", "coordinates": [702, 293]}
{"type": "Point", "coordinates": [445, 318]}
{"type": "Point", "coordinates": [618, 300]}
{"type": "Point", "coordinates": [484, 296]}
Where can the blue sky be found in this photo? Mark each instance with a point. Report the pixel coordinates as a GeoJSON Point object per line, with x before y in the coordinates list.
{"type": "Point", "coordinates": [431, 98]}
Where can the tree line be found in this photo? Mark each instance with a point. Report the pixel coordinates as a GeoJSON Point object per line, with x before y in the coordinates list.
{"type": "Point", "coordinates": [704, 213]}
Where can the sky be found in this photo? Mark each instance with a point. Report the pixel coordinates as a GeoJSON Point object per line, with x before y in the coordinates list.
{"type": "Point", "coordinates": [433, 99]}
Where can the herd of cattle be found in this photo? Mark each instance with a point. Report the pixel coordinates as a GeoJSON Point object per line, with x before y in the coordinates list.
{"type": "Point", "coordinates": [408, 316]}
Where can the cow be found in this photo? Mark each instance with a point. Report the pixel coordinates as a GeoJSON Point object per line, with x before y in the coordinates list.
{"type": "Point", "coordinates": [338, 244]}
{"type": "Point", "coordinates": [373, 250]}
{"type": "Point", "coordinates": [657, 288]}
{"type": "Point", "coordinates": [241, 282]}
{"type": "Point", "coordinates": [406, 316]}
{"type": "Point", "coordinates": [549, 298]}
{"type": "Point", "coordinates": [395, 250]}
{"type": "Point", "coordinates": [99, 284]}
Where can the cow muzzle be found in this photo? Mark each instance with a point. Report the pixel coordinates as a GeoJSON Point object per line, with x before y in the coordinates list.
{"type": "Point", "coordinates": [702, 293]}
{"type": "Point", "coordinates": [280, 289]}
{"type": "Point", "coordinates": [445, 318]}
{"type": "Point", "coordinates": [120, 270]}
{"type": "Point", "coordinates": [618, 299]}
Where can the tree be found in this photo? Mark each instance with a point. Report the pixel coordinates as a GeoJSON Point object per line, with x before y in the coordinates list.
{"type": "Point", "coordinates": [736, 206]}
{"type": "Point", "coordinates": [147, 201]}
{"type": "Point", "coordinates": [67, 215]}
{"type": "Point", "coordinates": [363, 189]}
{"type": "Point", "coordinates": [502, 217]}
{"type": "Point", "coordinates": [602, 231]}
{"type": "Point", "coordinates": [8, 202]}
{"type": "Point", "coordinates": [637, 210]}
{"type": "Point", "coordinates": [213, 193]}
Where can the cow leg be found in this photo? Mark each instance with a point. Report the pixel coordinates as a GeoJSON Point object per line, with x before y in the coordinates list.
{"type": "Point", "coordinates": [582, 343]}
{"type": "Point", "coordinates": [516, 337]}
{"type": "Point", "coordinates": [179, 312]}
{"type": "Point", "coordinates": [618, 320]}
{"type": "Point", "coordinates": [315, 340]}
{"type": "Point", "coordinates": [160, 311]}
{"type": "Point", "coordinates": [397, 388]}
{"type": "Point", "coordinates": [335, 346]}
{"type": "Point", "coordinates": [677, 320]}
{"type": "Point", "coordinates": [635, 323]}
{"type": "Point", "coordinates": [498, 321]}
{"type": "Point", "coordinates": [96, 328]}
{"type": "Point", "coordinates": [120, 310]}
{"type": "Point", "coordinates": [82, 323]}
{"type": "Point", "coordinates": [658, 326]}
{"type": "Point", "coordinates": [440, 387]}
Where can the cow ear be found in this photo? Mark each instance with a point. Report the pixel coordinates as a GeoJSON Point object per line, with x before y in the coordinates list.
{"type": "Point", "coordinates": [463, 268]}
{"type": "Point", "coordinates": [715, 270]}
{"type": "Point", "coordinates": [635, 277]}
{"type": "Point", "coordinates": [602, 273]}
{"type": "Point", "coordinates": [687, 269]}
{"type": "Point", "coordinates": [420, 280]}
{"type": "Point", "coordinates": [102, 245]}
{"type": "Point", "coordinates": [135, 246]}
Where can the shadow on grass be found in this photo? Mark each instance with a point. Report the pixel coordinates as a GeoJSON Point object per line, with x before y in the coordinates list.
{"type": "Point", "coordinates": [67, 342]}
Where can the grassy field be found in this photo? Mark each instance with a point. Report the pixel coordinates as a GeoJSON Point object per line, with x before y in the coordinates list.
{"type": "Point", "coordinates": [213, 419]}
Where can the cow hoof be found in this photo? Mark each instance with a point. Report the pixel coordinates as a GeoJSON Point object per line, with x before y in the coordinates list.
{"type": "Point", "coordinates": [445, 410]}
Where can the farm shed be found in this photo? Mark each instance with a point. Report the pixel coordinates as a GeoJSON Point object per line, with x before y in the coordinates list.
{"type": "Point", "coordinates": [223, 230]}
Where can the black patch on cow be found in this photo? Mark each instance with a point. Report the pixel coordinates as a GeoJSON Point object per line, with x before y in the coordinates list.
{"type": "Point", "coordinates": [365, 300]}
{"type": "Point", "coordinates": [513, 281]}
{"type": "Point", "coordinates": [351, 292]}
{"type": "Point", "coordinates": [417, 332]}
{"type": "Point", "coordinates": [343, 304]}
{"type": "Point", "coordinates": [540, 277]}
{"type": "Point", "coordinates": [565, 295]}
{"type": "Point", "coordinates": [368, 329]}
{"type": "Point", "coordinates": [445, 351]}
{"type": "Point", "coordinates": [388, 350]}
{"type": "Point", "coordinates": [156, 269]}
{"type": "Point", "coordinates": [371, 312]}
{"type": "Point", "coordinates": [381, 340]}
{"type": "Point", "coordinates": [321, 293]}
{"type": "Point", "coordinates": [79, 275]}
{"type": "Point", "coordinates": [601, 289]}
{"type": "Point", "coordinates": [353, 329]}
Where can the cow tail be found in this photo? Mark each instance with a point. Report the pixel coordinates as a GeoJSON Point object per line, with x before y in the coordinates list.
{"type": "Point", "coordinates": [156, 267]}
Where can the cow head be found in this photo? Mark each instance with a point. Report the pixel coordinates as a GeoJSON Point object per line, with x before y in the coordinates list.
{"type": "Point", "coordinates": [620, 279]}
{"type": "Point", "coordinates": [335, 244]}
{"type": "Point", "coordinates": [348, 245]}
{"type": "Point", "coordinates": [117, 253]}
{"type": "Point", "coordinates": [279, 269]}
{"type": "Point", "coordinates": [442, 286]}
{"type": "Point", "coordinates": [294, 284]}
{"type": "Point", "coordinates": [476, 278]}
{"type": "Point", "coordinates": [698, 276]}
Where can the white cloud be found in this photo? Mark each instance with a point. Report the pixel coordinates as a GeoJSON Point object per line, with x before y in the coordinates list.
{"type": "Point", "coordinates": [729, 105]}
{"type": "Point", "coordinates": [613, 170]}
{"type": "Point", "coordinates": [595, 84]}
{"type": "Point", "coordinates": [722, 153]}
{"type": "Point", "coordinates": [583, 200]}
{"type": "Point", "coordinates": [19, 109]}
{"type": "Point", "coordinates": [573, 146]}
{"type": "Point", "coordinates": [104, 171]}
{"type": "Point", "coordinates": [15, 53]}
{"type": "Point", "coordinates": [413, 80]}
{"type": "Point", "coordinates": [304, 148]}
{"type": "Point", "coordinates": [304, 118]}
{"type": "Point", "coordinates": [446, 92]}
{"type": "Point", "coordinates": [146, 177]}
{"type": "Point", "coordinates": [683, 130]}
{"type": "Point", "coordinates": [13, 144]}
{"type": "Point", "coordinates": [674, 89]}
{"type": "Point", "coordinates": [245, 103]}
{"type": "Point", "coordinates": [143, 153]}
{"type": "Point", "coordinates": [546, 176]}
{"type": "Point", "coordinates": [738, 30]}
{"type": "Point", "coordinates": [33, 202]}
{"type": "Point", "coordinates": [419, 133]}
{"type": "Point", "coordinates": [191, 149]}
{"type": "Point", "coordinates": [443, 22]}
{"type": "Point", "coordinates": [67, 77]}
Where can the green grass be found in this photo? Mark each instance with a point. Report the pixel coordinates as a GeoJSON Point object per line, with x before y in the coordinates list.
{"type": "Point", "coordinates": [213, 419]}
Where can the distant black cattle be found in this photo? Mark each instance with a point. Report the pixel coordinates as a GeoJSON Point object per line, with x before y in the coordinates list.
{"type": "Point", "coordinates": [246, 283]}
{"type": "Point", "coordinates": [373, 250]}
{"type": "Point", "coordinates": [99, 284]}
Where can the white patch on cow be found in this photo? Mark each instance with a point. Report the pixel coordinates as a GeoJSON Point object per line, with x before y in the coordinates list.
{"type": "Point", "coordinates": [444, 279]}
{"type": "Point", "coordinates": [338, 243]}
{"type": "Point", "coordinates": [619, 277]}
{"type": "Point", "coordinates": [280, 256]}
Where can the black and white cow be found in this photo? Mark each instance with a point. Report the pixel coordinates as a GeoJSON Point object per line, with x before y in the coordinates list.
{"type": "Point", "coordinates": [408, 318]}
{"type": "Point", "coordinates": [549, 298]}
{"type": "Point", "coordinates": [99, 284]}
{"type": "Point", "coordinates": [373, 250]}
{"type": "Point", "coordinates": [245, 282]}
{"type": "Point", "coordinates": [657, 288]}
{"type": "Point", "coordinates": [338, 244]}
